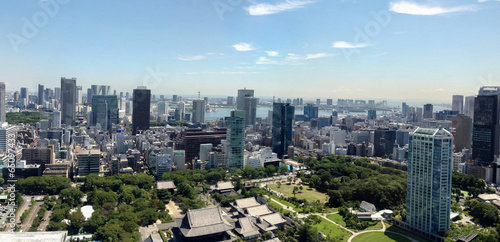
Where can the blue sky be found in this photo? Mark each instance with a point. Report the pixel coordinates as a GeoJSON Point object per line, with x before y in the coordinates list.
{"type": "Point", "coordinates": [418, 50]}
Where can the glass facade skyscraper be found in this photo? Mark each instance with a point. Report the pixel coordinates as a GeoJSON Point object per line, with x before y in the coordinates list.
{"type": "Point", "coordinates": [105, 110]}
{"type": "Point", "coordinates": [310, 112]}
{"type": "Point", "coordinates": [236, 138]}
{"type": "Point", "coordinates": [282, 127]}
{"type": "Point", "coordinates": [140, 109]}
{"type": "Point", "coordinates": [68, 100]}
{"type": "Point", "coordinates": [429, 180]}
{"type": "Point", "coordinates": [486, 131]}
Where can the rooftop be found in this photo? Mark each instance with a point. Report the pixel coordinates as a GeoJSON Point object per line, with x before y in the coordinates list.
{"type": "Point", "coordinates": [201, 222]}
{"type": "Point", "coordinates": [34, 236]}
{"type": "Point", "coordinates": [246, 202]}
{"type": "Point", "coordinates": [165, 185]}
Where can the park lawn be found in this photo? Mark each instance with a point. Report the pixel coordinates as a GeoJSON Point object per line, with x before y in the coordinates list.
{"type": "Point", "coordinates": [397, 229]}
{"type": "Point", "coordinates": [286, 203]}
{"type": "Point", "coordinates": [307, 193]}
{"type": "Point", "coordinates": [337, 218]}
{"type": "Point", "coordinates": [377, 226]}
{"type": "Point", "coordinates": [332, 230]}
{"type": "Point", "coordinates": [380, 237]}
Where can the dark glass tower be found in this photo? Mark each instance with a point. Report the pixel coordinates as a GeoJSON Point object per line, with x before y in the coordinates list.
{"type": "Point", "coordinates": [40, 94]}
{"type": "Point", "coordinates": [485, 135]}
{"type": "Point", "coordinates": [141, 105]}
{"type": "Point", "coordinates": [310, 112]}
{"type": "Point", "coordinates": [282, 127]}
{"type": "Point", "coordinates": [68, 100]}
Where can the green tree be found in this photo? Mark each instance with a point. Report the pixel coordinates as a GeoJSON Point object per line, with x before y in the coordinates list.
{"type": "Point", "coordinates": [71, 196]}
{"type": "Point", "coordinates": [77, 219]}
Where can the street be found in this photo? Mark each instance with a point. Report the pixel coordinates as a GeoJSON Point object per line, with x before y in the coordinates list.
{"type": "Point", "coordinates": [27, 223]}
{"type": "Point", "coordinates": [44, 224]}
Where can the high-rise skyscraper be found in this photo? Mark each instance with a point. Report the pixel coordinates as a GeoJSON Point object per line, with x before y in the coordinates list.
{"type": "Point", "coordinates": [457, 103]}
{"type": "Point", "coordinates": [41, 98]}
{"type": "Point", "coordinates": [180, 111]}
{"type": "Point", "coordinates": [236, 138]}
{"type": "Point", "coordinates": [486, 130]}
{"type": "Point", "coordinates": [469, 106]}
{"type": "Point", "coordinates": [329, 102]}
{"type": "Point", "coordinates": [383, 141]}
{"type": "Point", "coordinates": [282, 127]}
{"type": "Point", "coordinates": [198, 111]}
{"type": "Point", "coordinates": [140, 109]}
{"type": "Point", "coordinates": [318, 102]}
{"type": "Point", "coordinates": [463, 132]}
{"type": "Point", "coordinates": [79, 94]}
{"type": "Point", "coordinates": [428, 110]}
{"type": "Point", "coordinates": [162, 108]}
{"type": "Point", "coordinates": [310, 112]}
{"type": "Point", "coordinates": [57, 93]}
{"type": "Point", "coordinates": [56, 119]}
{"type": "Point", "coordinates": [240, 99]}
{"type": "Point", "coordinates": [68, 100]}
{"type": "Point", "coordinates": [372, 114]}
{"type": "Point", "coordinates": [405, 110]}
{"type": "Point", "coordinates": [105, 111]}
{"type": "Point", "coordinates": [3, 99]}
{"type": "Point", "coordinates": [429, 180]}
{"type": "Point", "coordinates": [24, 93]}
{"type": "Point", "coordinates": [250, 111]}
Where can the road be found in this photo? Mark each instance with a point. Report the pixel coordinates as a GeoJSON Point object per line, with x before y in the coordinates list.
{"type": "Point", "coordinates": [20, 210]}
{"type": "Point", "coordinates": [27, 223]}
{"type": "Point", "coordinates": [44, 224]}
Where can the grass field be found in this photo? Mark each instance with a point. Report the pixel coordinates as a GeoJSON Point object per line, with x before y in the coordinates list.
{"type": "Point", "coordinates": [310, 195]}
{"type": "Point", "coordinates": [380, 237]}
{"type": "Point", "coordinates": [396, 229]}
{"type": "Point", "coordinates": [295, 208]}
{"type": "Point", "coordinates": [337, 218]}
{"type": "Point", "coordinates": [332, 230]}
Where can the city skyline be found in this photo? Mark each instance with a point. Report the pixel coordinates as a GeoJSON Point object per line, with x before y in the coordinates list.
{"type": "Point", "coordinates": [347, 49]}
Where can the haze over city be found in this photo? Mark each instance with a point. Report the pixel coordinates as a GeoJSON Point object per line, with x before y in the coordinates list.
{"type": "Point", "coordinates": [425, 50]}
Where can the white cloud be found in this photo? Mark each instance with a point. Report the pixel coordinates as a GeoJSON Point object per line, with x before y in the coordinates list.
{"type": "Point", "coordinates": [482, 1]}
{"type": "Point", "coordinates": [272, 53]}
{"type": "Point", "coordinates": [190, 58]}
{"type": "Point", "coordinates": [243, 47]}
{"type": "Point", "coordinates": [407, 7]}
{"type": "Point", "coordinates": [290, 59]}
{"type": "Point", "coordinates": [347, 45]}
{"type": "Point", "coordinates": [268, 8]}
{"type": "Point", "coordinates": [316, 56]}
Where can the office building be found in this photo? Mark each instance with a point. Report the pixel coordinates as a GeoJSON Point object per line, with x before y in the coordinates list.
{"type": "Point", "coordinates": [3, 99]}
{"type": "Point", "coordinates": [282, 128]}
{"type": "Point", "coordinates": [405, 110]}
{"type": "Point", "coordinates": [68, 101]}
{"type": "Point", "coordinates": [463, 132]}
{"type": "Point", "coordinates": [56, 119]}
{"type": "Point", "coordinates": [105, 111]}
{"type": "Point", "coordinates": [310, 112]}
{"type": "Point", "coordinates": [236, 138]}
{"type": "Point", "coordinates": [240, 99]}
{"type": "Point", "coordinates": [486, 128]}
{"type": "Point", "coordinates": [230, 100]}
{"type": "Point", "coordinates": [6, 131]}
{"type": "Point", "coordinates": [180, 111]}
{"type": "Point", "coordinates": [250, 111]}
{"type": "Point", "coordinates": [162, 108]}
{"type": "Point", "coordinates": [318, 102]}
{"type": "Point", "coordinates": [429, 180]}
{"type": "Point", "coordinates": [428, 110]}
{"type": "Point", "coordinates": [140, 109]}
{"type": "Point", "coordinates": [57, 93]}
{"type": "Point", "coordinates": [329, 102]}
{"type": "Point", "coordinates": [24, 93]}
{"type": "Point", "coordinates": [198, 111]}
{"type": "Point", "coordinates": [469, 106]}
{"type": "Point", "coordinates": [88, 162]}
{"type": "Point", "coordinates": [372, 114]}
{"type": "Point", "coordinates": [383, 141]}
{"type": "Point", "coordinates": [41, 98]}
{"type": "Point", "coordinates": [79, 94]}
{"type": "Point", "coordinates": [457, 103]}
